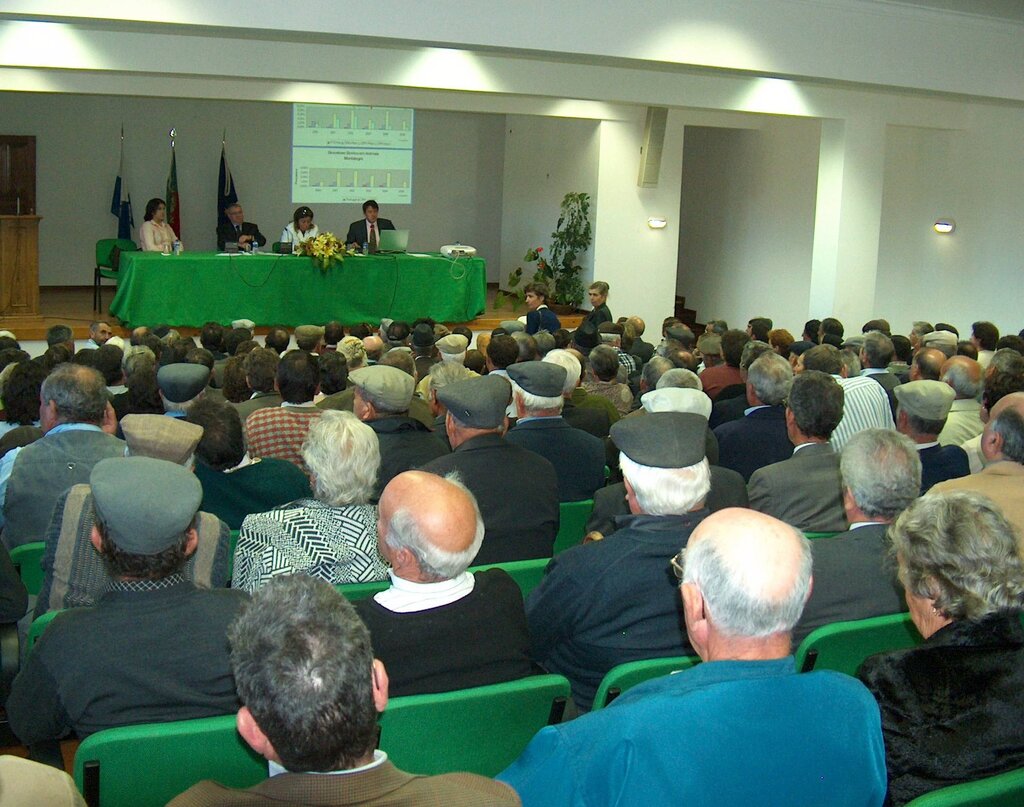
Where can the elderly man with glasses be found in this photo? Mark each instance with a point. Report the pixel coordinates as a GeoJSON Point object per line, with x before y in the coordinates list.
{"type": "Point", "coordinates": [742, 727]}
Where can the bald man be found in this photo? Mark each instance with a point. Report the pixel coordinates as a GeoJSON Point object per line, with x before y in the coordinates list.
{"type": "Point", "coordinates": [927, 364]}
{"type": "Point", "coordinates": [743, 726]}
{"type": "Point", "coordinates": [439, 627]}
{"type": "Point", "coordinates": [1002, 447]}
{"type": "Point", "coordinates": [963, 374]}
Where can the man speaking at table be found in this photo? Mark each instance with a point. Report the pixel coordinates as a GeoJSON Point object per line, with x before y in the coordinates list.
{"type": "Point", "coordinates": [367, 229]}
{"type": "Point", "coordinates": [236, 229]}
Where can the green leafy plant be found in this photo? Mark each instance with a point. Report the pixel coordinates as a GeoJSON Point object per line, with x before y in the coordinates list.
{"type": "Point", "coordinates": [571, 238]}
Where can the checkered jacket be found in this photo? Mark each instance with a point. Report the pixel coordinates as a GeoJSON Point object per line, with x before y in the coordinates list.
{"type": "Point", "coordinates": [279, 431]}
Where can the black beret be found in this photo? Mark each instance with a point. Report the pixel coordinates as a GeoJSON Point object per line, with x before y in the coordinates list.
{"type": "Point", "coordinates": [542, 378]}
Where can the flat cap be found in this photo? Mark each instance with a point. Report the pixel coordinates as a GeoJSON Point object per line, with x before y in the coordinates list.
{"type": "Point", "coordinates": [159, 437]}
{"type": "Point", "coordinates": [389, 385]}
{"type": "Point", "coordinates": [936, 338]}
{"type": "Point", "coordinates": [422, 335]}
{"type": "Point", "coordinates": [8, 334]}
{"type": "Point", "coordinates": [309, 332]}
{"type": "Point", "coordinates": [585, 336]}
{"type": "Point", "coordinates": [146, 504]}
{"type": "Point", "coordinates": [930, 400]}
{"type": "Point", "coordinates": [677, 399]}
{"type": "Point", "coordinates": [512, 326]}
{"type": "Point", "coordinates": [244, 324]}
{"type": "Point", "coordinates": [182, 382]}
{"type": "Point", "coordinates": [662, 439]}
{"type": "Point", "coordinates": [479, 403]}
{"type": "Point", "coordinates": [453, 344]}
{"type": "Point", "coordinates": [539, 377]}
{"type": "Point", "coordinates": [678, 333]}
{"type": "Point", "coordinates": [710, 344]}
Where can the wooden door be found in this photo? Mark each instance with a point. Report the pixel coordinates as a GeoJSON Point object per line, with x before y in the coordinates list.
{"type": "Point", "coordinates": [17, 175]}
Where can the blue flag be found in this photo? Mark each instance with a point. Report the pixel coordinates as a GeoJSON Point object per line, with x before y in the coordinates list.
{"type": "Point", "coordinates": [225, 187]}
{"type": "Point", "coordinates": [121, 201]}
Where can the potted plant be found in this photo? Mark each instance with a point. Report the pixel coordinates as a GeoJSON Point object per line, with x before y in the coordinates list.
{"type": "Point", "coordinates": [571, 238]}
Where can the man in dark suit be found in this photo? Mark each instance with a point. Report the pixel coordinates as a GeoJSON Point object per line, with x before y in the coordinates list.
{"type": "Point", "coordinates": [644, 351]}
{"type": "Point", "coordinates": [875, 355]}
{"type": "Point", "coordinates": [517, 490]}
{"type": "Point", "coordinates": [853, 577]}
{"type": "Point", "coordinates": [236, 229]}
{"type": "Point", "coordinates": [367, 229]}
{"type": "Point", "coordinates": [923, 409]}
{"type": "Point", "coordinates": [312, 690]}
{"type": "Point", "coordinates": [760, 437]}
{"type": "Point", "coordinates": [578, 457]}
{"type": "Point", "coordinates": [591, 419]}
{"type": "Point", "coordinates": [805, 491]}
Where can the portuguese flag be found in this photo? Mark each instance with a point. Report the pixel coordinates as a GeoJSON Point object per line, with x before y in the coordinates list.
{"type": "Point", "coordinates": [173, 203]}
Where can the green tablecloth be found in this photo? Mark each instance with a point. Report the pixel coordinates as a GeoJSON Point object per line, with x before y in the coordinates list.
{"type": "Point", "coordinates": [196, 287]}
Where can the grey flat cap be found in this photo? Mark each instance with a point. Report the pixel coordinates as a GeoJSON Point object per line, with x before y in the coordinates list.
{"type": "Point", "coordinates": [453, 344]}
{"type": "Point", "coordinates": [936, 338]}
{"type": "Point", "coordinates": [309, 332]}
{"type": "Point", "coordinates": [512, 326]}
{"type": "Point", "coordinates": [182, 382]}
{"type": "Point", "coordinates": [539, 377]}
{"type": "Point", "coordinates": [161, 437]}
{"type": "Point", "coordinates": [662, 439]}
{"type": "Point", "coordinates": [389, 385]}
{"type": "Point", "coordinates": [479, 403]}
{"type": "Point", "coordinates": [146, 504]}
{"type": "Point", "coordinates": [930, 400]}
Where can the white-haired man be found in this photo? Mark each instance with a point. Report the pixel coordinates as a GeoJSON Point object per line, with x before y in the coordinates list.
{"type": "Point", "coordinates": [591, 419]}
{"type": "Point", "coordinates": [609, 602]}
{"type": "Point", "coordinates": [438, 627]}
{"type": "Point", "coordinates": [578, 457]}
{"type": "Point", "coordinates": [740, 728]}
{"type": "Point", "coordinates": [963, 374]}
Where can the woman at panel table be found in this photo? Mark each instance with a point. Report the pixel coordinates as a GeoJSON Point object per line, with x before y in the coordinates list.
{"type": "Point", "coordinates": [155, 233]}
{"type": "Point", "coordinates": [300, 228]}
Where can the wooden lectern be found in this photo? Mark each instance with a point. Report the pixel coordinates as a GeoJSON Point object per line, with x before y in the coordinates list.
{"type": "Point", "coordinates": [19, 267]}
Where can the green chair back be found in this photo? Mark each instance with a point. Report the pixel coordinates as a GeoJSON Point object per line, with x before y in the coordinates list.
{"type": "Point", "coordinates": [231, 552]}
{"type": "Point", "coordinates": [626, 676]}
{"type": "Point", "coordinates": [480, 730]}
{"type": "Point", "coordinates": [105, 248]}
{"type": "Point", "coordinates": [38, 626]}
{"type": "Point", "coordinates": [526, 573]}
{"type": "Point", "coordinates": [843, 646]}
{"type": "Point", "coordinates": [811, 536]}
{"type": "Point", "coordinates": [148, 765]}
{"type": "Point", "coordinates": [28, 560]}
{"type": "Point", "coordinates": [362, 591]}
{"type": "Point", "coordinates": [572, 521]}
{"type": "Point", "coordinates": [1004, 790]}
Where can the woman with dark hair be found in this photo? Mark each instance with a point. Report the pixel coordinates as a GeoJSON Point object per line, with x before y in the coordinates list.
{"type": "Point", "coordinates": [951, 707]}
{"type": "Point", "coordinates": [300, 228]}
{"type": "Point", "coordinates": [155, 233]}
{"type": "Point", "coordinates": [21, 395]}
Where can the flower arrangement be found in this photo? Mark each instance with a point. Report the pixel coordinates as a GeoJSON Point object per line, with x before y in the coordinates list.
{"type": "Point", "coordinates": [325, 250]}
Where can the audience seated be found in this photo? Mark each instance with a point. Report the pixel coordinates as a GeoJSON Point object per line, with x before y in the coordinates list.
{"type": "Point", "coordinates": [332, 536]}
{"type": "Point", "coordinates": [153, 648]}
{"type": "Point", "coordinates": [438, 627]}
{"type": "Point", "coordinates": [612, 601]}
{"type": "Point", "coordinates": [74, 574]}
{"type": "Point", "coordinates": [602, 380]}
{"type": "Point", "coordinates": [717, 377]}
{"type": "Point", "coordinates": [516, 490]}
{"type": "Point", "coordinates": [951, 707]}
{"type": "Point", "coordinates": [260, 367]}
{"type": "Point", "coordinates": [78, 424]}
{"type": "Point", "coordinates": [876, 354]}
{"type": "Point", "coordinates": [312, 691]}
{"type": "Point", "coordinates": [923, 407]}
{"type": "Point", "coordinates": [805, 490]}
{"type": "Point", "coordinates": [578, 457]}
{"type": "Point", "coordinates": [813, 738]}
{"type": "Point", "coordinates": [593, 420]}
{"type": "Point", "coordinates": [235, 484]}
{"type": "Point", "coordinates": [1005, 374]}
{"type": "Point", "coordinates": [382, 397]}
{"type": "Point", "coordinates": [853, 577]}
{"type": "Point", "coordinates": [865, 403]}
{"type": "Point", "coordinates": [733, 408]}
{"type": "Point", "coordinates": [759, 438]}
{"type": "Point", "coordinates": [279, 431]}
{"type": "Point", "coordinates": [964, 419]}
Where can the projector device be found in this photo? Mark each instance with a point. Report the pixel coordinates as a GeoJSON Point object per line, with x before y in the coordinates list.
{"type": "Point", "coordinates": [458, 251]}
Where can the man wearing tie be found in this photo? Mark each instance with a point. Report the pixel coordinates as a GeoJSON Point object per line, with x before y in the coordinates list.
{"type": "Point", "coordinates": [367, 230]}
{"type": "Point", "coordinates": [237, 229]}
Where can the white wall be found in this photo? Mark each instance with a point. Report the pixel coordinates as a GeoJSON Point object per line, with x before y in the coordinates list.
{"type": "Point", "coordinates": [975, 177]}
{"type": "Point", "coordinates": [545, 158]}
{"type": "Point", "coordinates": [748, 206]}
{"type": "Point", "coordinates": [457, 181]}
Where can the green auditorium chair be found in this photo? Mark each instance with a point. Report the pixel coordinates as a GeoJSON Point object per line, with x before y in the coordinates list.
{"type": "Point", "coordinates": [107, 264]}
{"type": "Point", "coordinates": [572, 522]}
{"type": "Point", "coordinates": [148, 765]}
{"type": "Point", "coordinates": [480, 730]}
{"type": "Point", "coordinates": [38, 626]}
{"type": "Point", "coordinates": [28, 560]}
{"type": "Point", "coordinates": [1004, 790]}
{"type": "Point", "coordinates": [843, 646]}
{"type": "Point", "coordinates": [526, 573]}
{"type": "Point", "coordinates": [626, 676]}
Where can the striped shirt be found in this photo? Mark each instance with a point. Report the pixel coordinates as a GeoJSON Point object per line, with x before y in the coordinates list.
{"type": "Point", "coordinates": [865, 406]}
